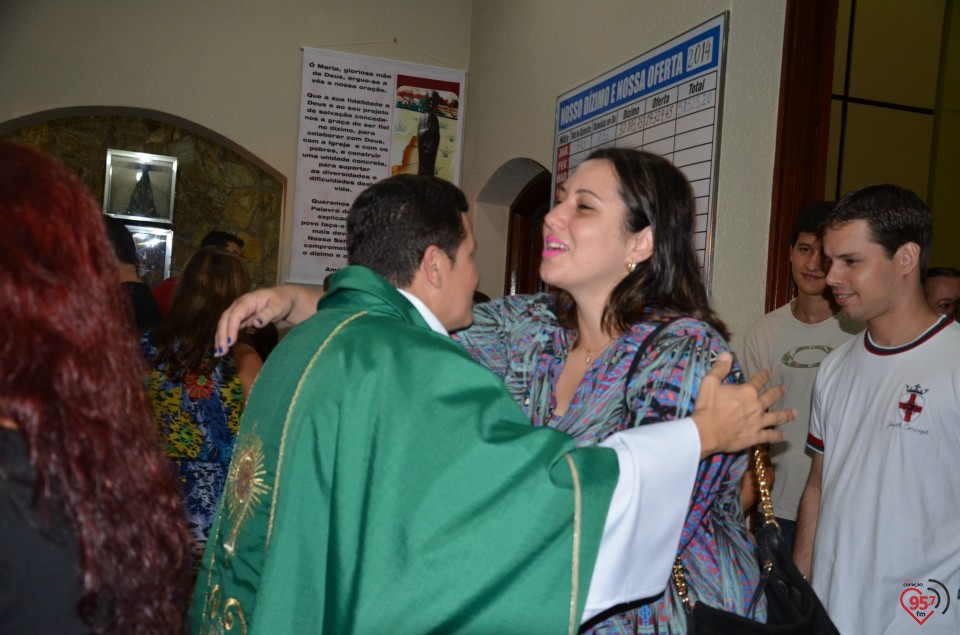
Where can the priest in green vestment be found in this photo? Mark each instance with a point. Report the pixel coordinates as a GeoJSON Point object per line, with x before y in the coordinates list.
{"type": "Point", "coordinates": [384, 482]}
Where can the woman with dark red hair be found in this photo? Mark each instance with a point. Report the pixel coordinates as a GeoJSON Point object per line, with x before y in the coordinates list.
{"type": "Point", "coordinates": [93, 538]}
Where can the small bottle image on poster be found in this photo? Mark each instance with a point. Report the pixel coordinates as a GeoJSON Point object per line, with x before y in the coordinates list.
{"type": "Point", "coordinates": [425, 131]}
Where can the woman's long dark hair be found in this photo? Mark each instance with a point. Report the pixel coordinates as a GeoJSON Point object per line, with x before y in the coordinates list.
{"type": "Point", "coordinates": [656, 195]}
{"type": "Point", "coordinates": [211, 281]}
{"type": "Point", "coordinates": [70, 379]}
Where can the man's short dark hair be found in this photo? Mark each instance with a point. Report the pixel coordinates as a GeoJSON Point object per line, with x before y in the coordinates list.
{"type": "Point", "coordinates": [123, 244]}
{"type": "Point", "coordinates": [943, 272]}
{"type": "Point", "coordinates": [810, 220]}
{"type": "Point", "coordinates": [895, 215]}
{"type": "Point", "coordinates": [393, 222]}
{"type": "Point", "coordinates": [220, 239]}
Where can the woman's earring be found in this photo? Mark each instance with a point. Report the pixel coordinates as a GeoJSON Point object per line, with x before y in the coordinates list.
{"type": "Point", "coordinates": [631, 267]}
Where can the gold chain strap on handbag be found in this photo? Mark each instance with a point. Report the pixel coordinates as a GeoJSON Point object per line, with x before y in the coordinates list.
{"type": "Point", "coordinates": [760, 457]}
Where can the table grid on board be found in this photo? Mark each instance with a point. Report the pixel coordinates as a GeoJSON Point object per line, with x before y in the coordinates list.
{"type": "Point", "coordinates": [677, 123]}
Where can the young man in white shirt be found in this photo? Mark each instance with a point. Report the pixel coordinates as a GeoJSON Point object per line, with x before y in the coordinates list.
{"type": "Point", "coordinates": [791, 342]}
{"type": "Point", "coordinates": [878, 517]}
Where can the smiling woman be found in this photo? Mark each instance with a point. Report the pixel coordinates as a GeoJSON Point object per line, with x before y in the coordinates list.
{"type": "Point", "coordinates": [618, 243]}
{"type": "Point", "coordinates": [587, 244]}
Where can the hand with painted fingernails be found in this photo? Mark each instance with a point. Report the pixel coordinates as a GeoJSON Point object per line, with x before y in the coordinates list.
{"type": "Point", "coordinates": [258, 308]}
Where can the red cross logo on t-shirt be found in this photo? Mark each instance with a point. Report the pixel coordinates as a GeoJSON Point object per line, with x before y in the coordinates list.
{"type": "Point", "coordinates": [911, 403]}
{"type": "Point", "coordinates": [909, 408]}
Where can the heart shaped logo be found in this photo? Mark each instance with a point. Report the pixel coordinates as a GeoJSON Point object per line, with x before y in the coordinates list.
{"type": "Point", "coordinates": [917, 605]}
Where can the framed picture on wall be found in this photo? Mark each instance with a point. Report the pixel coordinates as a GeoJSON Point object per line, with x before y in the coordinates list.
{"type": "Point", "coordinates": [140, 186]}
{"type": "Point", "coordinates": [154, 251]}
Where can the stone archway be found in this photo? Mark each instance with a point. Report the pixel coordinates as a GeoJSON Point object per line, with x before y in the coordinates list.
{"type": "Point", "coordinates": [220, 185]}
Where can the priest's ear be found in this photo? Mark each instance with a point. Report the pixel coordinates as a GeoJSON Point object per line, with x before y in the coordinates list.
{"type": "Point", "coordinates": [433, 266]}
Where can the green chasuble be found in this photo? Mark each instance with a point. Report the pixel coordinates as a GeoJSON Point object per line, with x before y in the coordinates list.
{"type": "Point", "coordinates": [384, 482]}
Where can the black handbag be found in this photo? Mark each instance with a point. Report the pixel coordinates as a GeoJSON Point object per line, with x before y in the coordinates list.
{"type": "Point", "coordinates": [792, 606]}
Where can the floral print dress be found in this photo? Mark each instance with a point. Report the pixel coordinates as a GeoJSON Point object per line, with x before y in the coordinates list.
{"type": "Point", "coordinates": [519, 339]}
{"type": "Point", "coordinates": [197, 416]}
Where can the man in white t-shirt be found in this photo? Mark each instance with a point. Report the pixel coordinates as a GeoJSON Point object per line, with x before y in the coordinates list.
{"type": "Point", "coordinates": [790, 342]}
{"type": "Point", "coordinates": [879, 514]}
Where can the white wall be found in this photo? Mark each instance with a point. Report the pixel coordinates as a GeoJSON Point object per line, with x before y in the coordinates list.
{"type": "Point", "coordinates": [525, 53]}
{"type": "Point", "coordinates": [235, 68]}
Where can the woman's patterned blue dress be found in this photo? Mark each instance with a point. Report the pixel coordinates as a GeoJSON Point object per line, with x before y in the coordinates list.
{"type": "Point", "coordinates": [197, 416]}
{"type": "Point", "coordinates": [519, 339]}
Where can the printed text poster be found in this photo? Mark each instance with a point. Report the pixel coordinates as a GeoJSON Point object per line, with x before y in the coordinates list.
{"type": "Point", "coordinates": [363, 119]}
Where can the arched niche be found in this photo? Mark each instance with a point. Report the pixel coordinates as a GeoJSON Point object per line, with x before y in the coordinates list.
{"type": "Point", "coordinates": [520, 191]}
{"type": "Point", "coordinates": [220, 185]}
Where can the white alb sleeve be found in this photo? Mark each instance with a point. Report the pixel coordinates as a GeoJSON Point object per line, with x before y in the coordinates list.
{"type": "Point", "coordinates": [658, 466]}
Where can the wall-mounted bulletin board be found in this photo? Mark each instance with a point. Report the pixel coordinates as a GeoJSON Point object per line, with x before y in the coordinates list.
{"type": "Point", "coordinates": [666, 101]}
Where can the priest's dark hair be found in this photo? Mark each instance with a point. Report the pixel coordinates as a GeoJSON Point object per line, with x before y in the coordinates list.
{"type": "Point", "coordinates": [392, 223]}
{"type": "Point", "coordinates": [72, 386]}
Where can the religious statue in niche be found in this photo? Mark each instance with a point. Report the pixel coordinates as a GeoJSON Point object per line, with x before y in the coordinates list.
{"type": "Point", "coordinates": [141, 201]}
{"type": "Point", "coordinates": [140, 186]}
